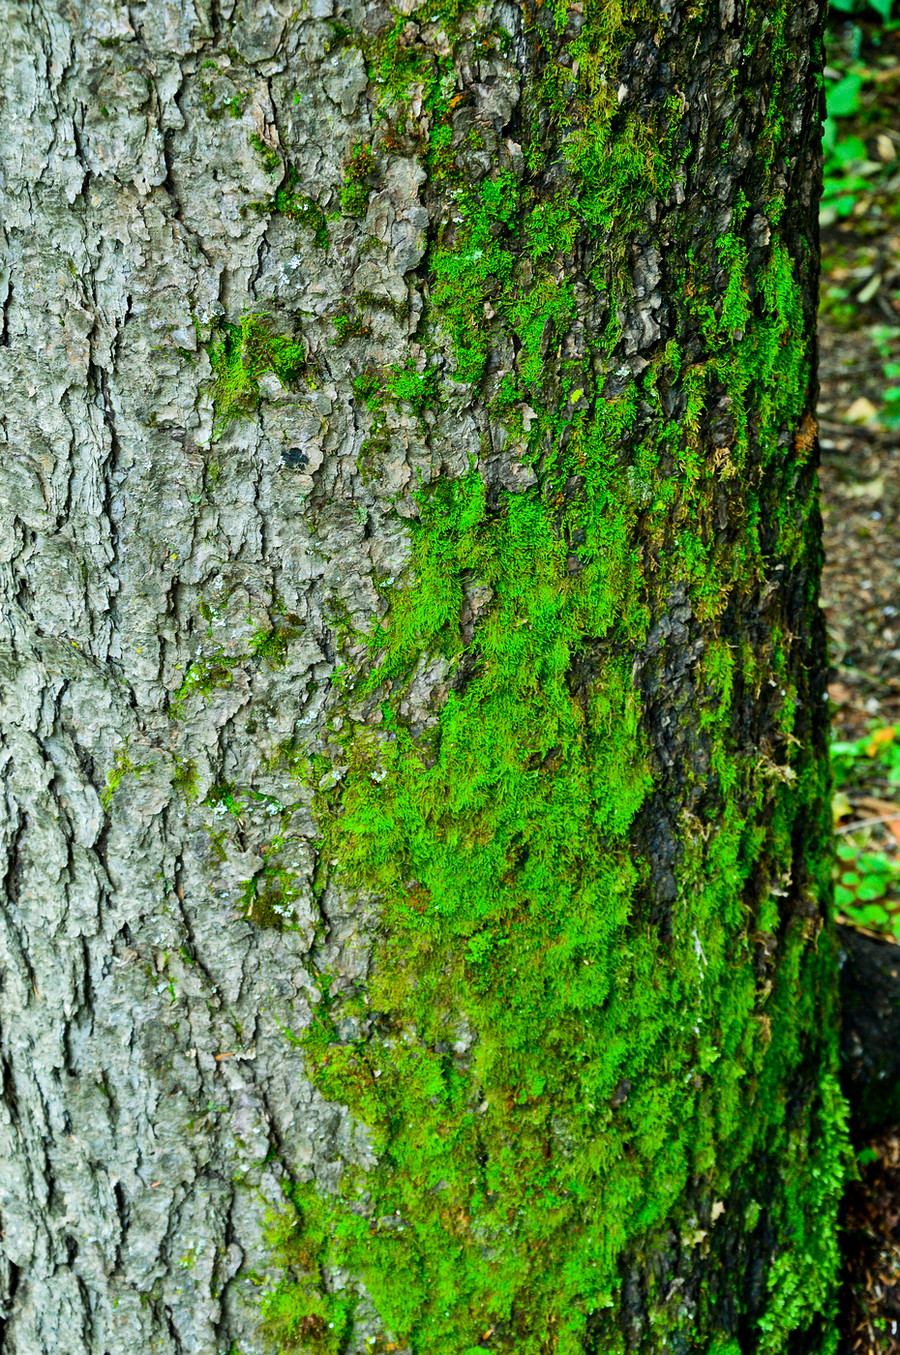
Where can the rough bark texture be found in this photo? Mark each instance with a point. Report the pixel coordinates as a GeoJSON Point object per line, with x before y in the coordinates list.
{"type": "Point", "coordinates": [412, 708]}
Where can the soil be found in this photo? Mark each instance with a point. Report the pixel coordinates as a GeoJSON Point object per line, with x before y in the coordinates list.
{"type": "Point", "coordinates": [859, 414]}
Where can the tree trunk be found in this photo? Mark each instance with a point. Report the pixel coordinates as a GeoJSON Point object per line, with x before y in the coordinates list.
{"type": "Point", "coordinates": [415, 794]}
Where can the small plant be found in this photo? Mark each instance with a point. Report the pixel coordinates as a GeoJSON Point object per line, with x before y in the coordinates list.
{"type": "Point", "coordinates": [864, 881]}
{"type": "Point", "coordinates": [867, 881]}
{"type": "Point", "coordinates": [885, 338]}
{"type": "Point", "coordinates": [878, 751]}
{"type": "Point", "coordinates": [355, 190]}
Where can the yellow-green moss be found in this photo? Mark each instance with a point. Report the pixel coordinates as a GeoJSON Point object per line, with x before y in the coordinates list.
{"type": "Point", "coordinates": [240, 355]}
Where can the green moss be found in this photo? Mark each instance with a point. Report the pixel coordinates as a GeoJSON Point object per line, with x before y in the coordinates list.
{"type": "Point", "coordinates": [299, 1314]}
{"type": "Point", "coordinates": [296, 206]}
{"type": "Point", "coordinates": [204, 676]}
{"type": "Point", "coordinates": [609, 1064]}
{"type": "Point", "coordinates": [368, 388]}
{"type": "Point", "coordinates": [186, 777]}
{"type": "Point", "coordinates": [272, 645]}
{"type": "Point", "coordinates": [348, 327]}
{"type": "Point", "coordinates": [122, 767]}
{"type": "Point", "coordinates": [271, 160]}
{"type": "Point", "coordinates": [240, 356]}
{"type": "Point", "coordinates": [355, 189]}
{"type": "Point", "coordinates": [419, 390]}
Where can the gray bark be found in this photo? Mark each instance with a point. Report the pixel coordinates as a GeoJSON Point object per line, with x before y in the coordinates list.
{"type": "Point", "coordinates": [147, 1077]}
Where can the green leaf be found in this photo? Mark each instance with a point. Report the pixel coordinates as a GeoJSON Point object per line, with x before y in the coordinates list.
{"type": "Point", "coordinates": [882, 7]}
{"type": "Point", "coordinates": [844, 898]}
{"type": "Point", "coordinates": [850, 149]}
{"type": "Point", "coordinates": [844, 206]}
{"type": "Point", "coordinates": [876, 863]}
{"type": "Point", "coordinates": [870, 889]}
{"type": "Point", "coordinates": [873, 916]}
{"type": "Point", "coordinates": [842, 100]}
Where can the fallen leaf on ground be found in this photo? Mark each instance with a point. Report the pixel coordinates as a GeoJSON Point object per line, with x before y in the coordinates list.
{"type": "Point", "coordinates": [840, 694]}
{"type": "Point", "coordinates": [861, 411]}
{"type": "Point", "coordinates": [888, 811]}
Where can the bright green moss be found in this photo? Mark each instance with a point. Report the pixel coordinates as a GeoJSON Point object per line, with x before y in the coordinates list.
{"type": "Point", "coordinates": [601, 1065]}
{"type": "Point", "coordinates": [419, 390]}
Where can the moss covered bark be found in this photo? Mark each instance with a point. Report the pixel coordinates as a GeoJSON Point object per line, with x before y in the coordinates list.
{"type": "Point", "coordinates": [415, 788]}
{"type": "Point", "coordinates": [595, 1053]}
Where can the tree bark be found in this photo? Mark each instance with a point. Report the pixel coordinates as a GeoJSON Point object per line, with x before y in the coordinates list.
{"type": "Point", "coordinates": [414, 779]}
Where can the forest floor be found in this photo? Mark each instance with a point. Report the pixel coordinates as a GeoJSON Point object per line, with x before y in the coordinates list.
{"type": "Point", "coordinates": [859, 427]}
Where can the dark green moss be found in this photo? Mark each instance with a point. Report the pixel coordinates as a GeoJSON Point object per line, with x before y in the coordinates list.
{"type": "Point", "coordinates": [296, 207]}
{"type": "Point", "coordinates": [271, 160]}
{"type": "Point", "coordinates": [348, 327]}
{"type": "Point", "coordinates": [272, 645]}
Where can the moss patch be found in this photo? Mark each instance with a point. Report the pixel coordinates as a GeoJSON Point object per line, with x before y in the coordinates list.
{"type": "Point", "coordinates": [241, 355]}
{"type": "Point", "coordinates": [553, 1050]}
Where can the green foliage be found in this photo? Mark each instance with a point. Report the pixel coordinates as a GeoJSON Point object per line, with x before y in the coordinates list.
{"type": "Point", "coordinates": [864, 879]}
{"type": "Point", "coordinates": [850, 762]}
{"type": "Point", "coordinates": [886, 339]}
{"type": "Point", "coordinates": [880, 7]}
{"type": "Point", "coordinates": [867, 881]}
